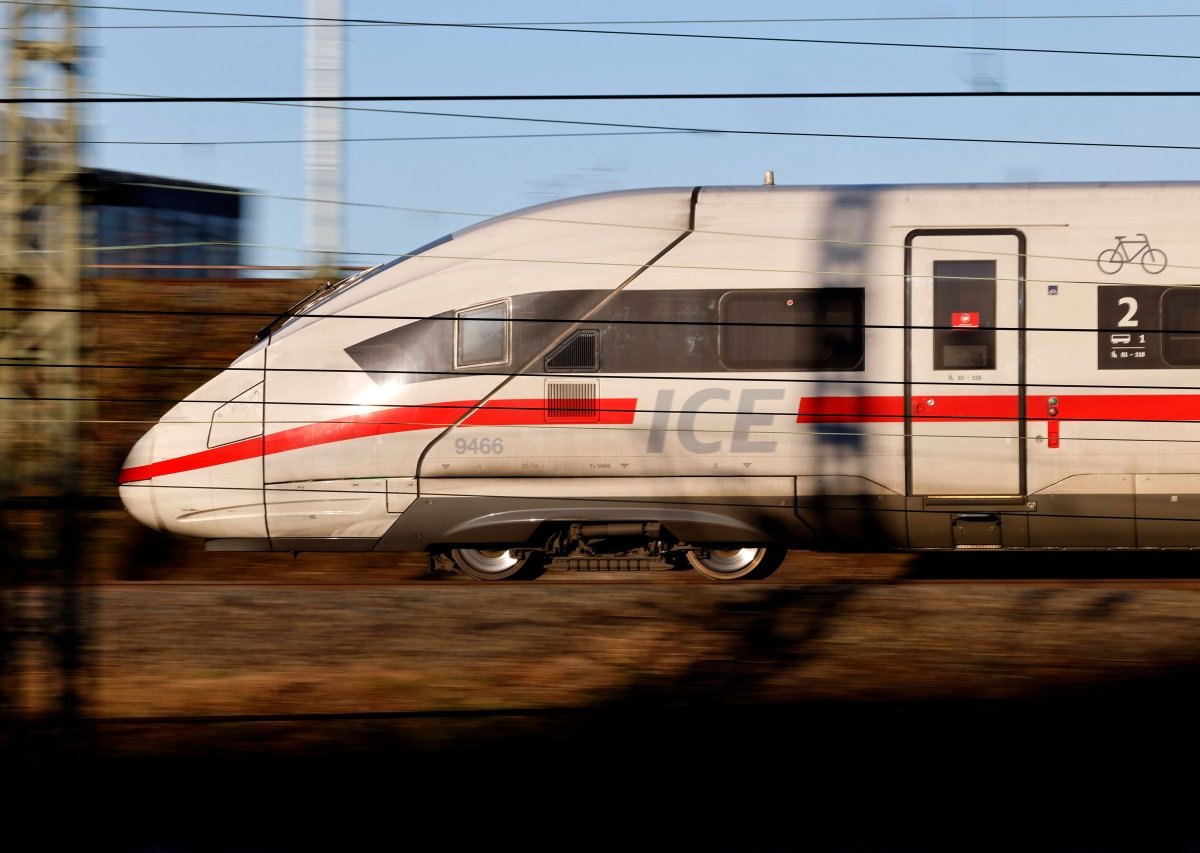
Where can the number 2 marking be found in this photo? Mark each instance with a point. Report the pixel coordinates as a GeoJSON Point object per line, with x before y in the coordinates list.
{"type": "Point", "coordinates": [1131, 304]}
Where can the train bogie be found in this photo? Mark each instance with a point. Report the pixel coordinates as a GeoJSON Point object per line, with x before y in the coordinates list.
{"type": "Point", "coordinates": [705, 378]}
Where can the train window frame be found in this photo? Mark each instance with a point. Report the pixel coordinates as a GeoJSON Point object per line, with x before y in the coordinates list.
{"type": "Point", "coordinates": [1174, 339]}
{"type": "Point", "coordinates": [505, 325]}
{"type": "Point", "coordinates": [957, 292]}
{"type": "Point", "coordinates": [846, 353]}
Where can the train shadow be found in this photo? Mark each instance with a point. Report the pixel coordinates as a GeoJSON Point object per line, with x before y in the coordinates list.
{"type": "Point", "coordinates": [1055, 565]}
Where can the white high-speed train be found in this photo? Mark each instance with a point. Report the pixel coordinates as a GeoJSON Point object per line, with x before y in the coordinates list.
{"type": "Point", "coordinates": [711, 376]}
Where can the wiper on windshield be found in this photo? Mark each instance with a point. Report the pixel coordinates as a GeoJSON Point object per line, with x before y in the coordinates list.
{"type": "Point", "coordinates": [326, 289]}
{"type": "Point", "coordinates": [291, 312]}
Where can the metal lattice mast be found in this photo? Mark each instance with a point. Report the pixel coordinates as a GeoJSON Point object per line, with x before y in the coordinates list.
{"type": "Point", "coordinates": [323, 136]}
{"type": "Point", "coordinates": [41, 299]}
{"type": "Point", "coordinates": [40, 255]}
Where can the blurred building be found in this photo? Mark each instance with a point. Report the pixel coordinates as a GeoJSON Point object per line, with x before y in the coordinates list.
{"type": "Point", "coordinates": [143, 226]}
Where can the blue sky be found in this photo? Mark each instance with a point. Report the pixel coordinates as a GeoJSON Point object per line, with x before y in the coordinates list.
{"type": "Point", "coordinates": [403, 193]}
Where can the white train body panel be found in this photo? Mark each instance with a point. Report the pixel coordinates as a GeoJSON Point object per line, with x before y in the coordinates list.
{"type": "Point", "coordinates": [910, 366]}
{"type": "Point", "coordinates": [203, 460]}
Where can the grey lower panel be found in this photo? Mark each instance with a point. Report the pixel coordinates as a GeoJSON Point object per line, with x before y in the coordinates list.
{"type": "Point", "coordinates": [1084, 521]}
{"type": "Point", "coordinates": [513, 521]}
{"type": "Point", "coordinates": [967, 523]}
{"type": "Point", "coordinates": [342, 544]}
{"type": "Point", "coordinates": [237, 545]}
{"type": "Point", "coordinates": [867, 523]}
{"type": "Point", "coordinates": [1067, 521]}
{"type": "Point", "coordinates": [837, 522]}
{"type": "Point", "coordinates": [853, 522]}
{"type": "Point", "coordinates": [1168, 521]}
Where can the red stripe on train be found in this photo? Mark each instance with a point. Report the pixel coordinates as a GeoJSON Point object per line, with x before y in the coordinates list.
{"type": "Point", "coordinates": [531, 412]}
{"type": "Point", "coordinates": [1120, 407]}
{"type": "Point", "coordinates": [824, 410]}
{"type": "Point", "coordinates": [1164, 408]}
{"type": "Point", "coordinates": [399, 419]}
{"type": "Point", "coordinates": [829, 410]}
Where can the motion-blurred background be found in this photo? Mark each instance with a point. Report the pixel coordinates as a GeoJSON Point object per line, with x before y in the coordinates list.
{"type": "Point", "coordinates": [173, 175]}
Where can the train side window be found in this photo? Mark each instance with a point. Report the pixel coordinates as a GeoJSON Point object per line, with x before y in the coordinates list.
{"type": "Point", "coordinates": [481, 335]}
{"type": "Point", "coordinates": [1181, 338]}
{"type": "Point", "coordinates": [818, 329]}
{"type": "Point", "coordinates": [964, 311]}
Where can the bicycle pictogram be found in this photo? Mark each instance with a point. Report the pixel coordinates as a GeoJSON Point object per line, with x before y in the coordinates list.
{"type": "Point", "coordinates": [1111, 260]}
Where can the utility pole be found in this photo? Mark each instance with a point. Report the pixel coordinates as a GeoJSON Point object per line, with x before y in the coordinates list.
{"type": "Point", "coordinates": [41, 345]}
{"type": "Point", "coordinates": [323, 137]}
{"type": "Point", "coordinates": [40, 253]}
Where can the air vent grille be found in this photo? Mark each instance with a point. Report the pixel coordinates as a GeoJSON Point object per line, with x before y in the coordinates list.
{"type": "Point", "coordinates": [579, 353]}
{"type": "Point", "coordinates": [571, 401]}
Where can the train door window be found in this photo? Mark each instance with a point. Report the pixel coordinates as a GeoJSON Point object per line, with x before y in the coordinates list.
{"type": "Point", "coordinates": [817, 329]}
{"type": "Point", "coordinates": [964, 310]}
{"type": "Point", "coordinates": [481, 335]}
{"type": "Point", "coordinates": [1181, 322]}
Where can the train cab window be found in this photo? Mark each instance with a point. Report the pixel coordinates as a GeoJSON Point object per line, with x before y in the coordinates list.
{"type": "Point", "coordinates": [481, 335]}
{"type": "Point", "coordinates": [817, 329]}
{"type": "Point", "coordinates": [1181, 327]}
{"type": "Point", "coordinates": [964, 311]}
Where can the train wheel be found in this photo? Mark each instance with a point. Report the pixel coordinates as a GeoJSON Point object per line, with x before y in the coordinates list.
{"type": "Point", "coordinates": [497, 564]}
{"type": "Point", "coordinates": [726, 564]}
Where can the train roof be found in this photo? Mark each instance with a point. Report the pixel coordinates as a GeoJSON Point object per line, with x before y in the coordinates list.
{"type": "Point", "coordinates": [702, 190]}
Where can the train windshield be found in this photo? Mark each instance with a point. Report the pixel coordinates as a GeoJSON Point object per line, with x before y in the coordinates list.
{"type": "Point", "coordinates": [327, 291]}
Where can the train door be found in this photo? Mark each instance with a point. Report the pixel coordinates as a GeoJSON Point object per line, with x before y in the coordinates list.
{"type": "Point", "coordinates": [965, 373]}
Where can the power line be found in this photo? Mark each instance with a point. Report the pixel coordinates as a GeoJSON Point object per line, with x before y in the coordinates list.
{"type": "Point", "coordinates": [531, 218]}
{"type": "Point", "coordinates": [628, 128]}
{"type": "Point", "coordinates": [452, 138]}
{"type": "Point", "coordinates": [303, 20]}
{"type": "Point", "coordinates": [534, 321]}
{"type": "Point", "coordinates": [647, 129]}
{"type": "Point", "coordinates": [588, 30]}
{"type": "Point", "coordinates": [629, 265]}
{"type": "Point", "coordinates": [657, 96]}
{"type": "Point", "coordinates": [665, 131]}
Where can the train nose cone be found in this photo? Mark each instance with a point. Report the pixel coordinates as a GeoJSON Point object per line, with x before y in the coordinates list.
{"type": "Point", "coordinates": [134, 483]}
{"type": "Point", "coordinates": [138, 499]}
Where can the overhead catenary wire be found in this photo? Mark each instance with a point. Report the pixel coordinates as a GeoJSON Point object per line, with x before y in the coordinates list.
{"type": "Point", "coordinates": [816, 376]}
{"type": "Point", "coordinates": [645, 129]}
{"type": "Point", "coordinates": [818, 241]}
{"type": "Point", "coordinates": [821, 378]}
{"type": "Point", "coordinates": [663, 131]}
{"type": "Point", "coordinates": [591, 30]}
{"type": "Point", "coordinates": [840, 273]}
{"type": "Point", "coordinates": [866, 426]}
{"type": "Point", "coordinates": [527, 216]}
{"type": "Point", "coordinates": [611, 96]}
{"type": "Point", "coordinates": [307, 20]}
